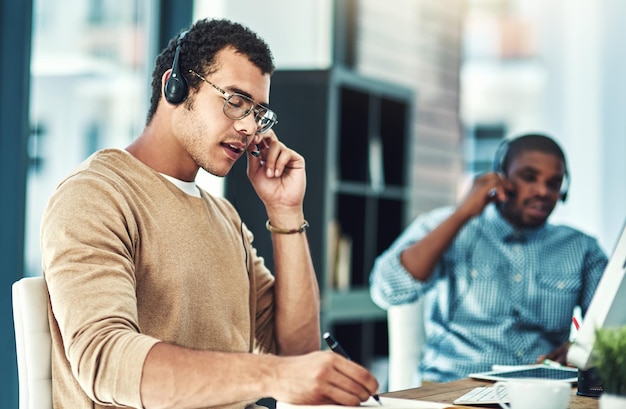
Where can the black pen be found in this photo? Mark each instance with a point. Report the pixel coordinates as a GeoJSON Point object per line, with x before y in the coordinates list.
{"type": "Point", "coordinates": [335, 347]}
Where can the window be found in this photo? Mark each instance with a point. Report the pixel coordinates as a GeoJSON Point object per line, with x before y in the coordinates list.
{"type": "Point", "coordinates": [90, 69]}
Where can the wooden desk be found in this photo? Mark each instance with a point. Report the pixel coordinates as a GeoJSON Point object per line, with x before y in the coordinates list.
{"type": "Point", "coordinates": [449, 391]}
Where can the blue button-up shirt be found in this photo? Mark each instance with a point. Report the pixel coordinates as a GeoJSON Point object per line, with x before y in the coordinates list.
{"type": "Point", "coordinates": [498, 295]}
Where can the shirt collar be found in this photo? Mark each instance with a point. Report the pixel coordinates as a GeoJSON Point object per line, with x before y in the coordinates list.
{"type": "Point", "coordinates": [188, 187]}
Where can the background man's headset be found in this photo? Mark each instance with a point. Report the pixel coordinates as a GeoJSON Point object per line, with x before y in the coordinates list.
{"type": "Point", "coordinates": [176, 88]}
{"type": "Point", "coordinates": [501, 157]}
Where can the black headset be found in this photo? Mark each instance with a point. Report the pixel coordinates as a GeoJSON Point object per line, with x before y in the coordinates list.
{"type": "Point", "coordinates": [176, 88]}
{"type": "Point", "coordinates": [502, 153]}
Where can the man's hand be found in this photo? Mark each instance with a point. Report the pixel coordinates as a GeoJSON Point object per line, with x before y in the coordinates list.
{"type": "Point", "coordinates": [322, 377]}
{"type": "Point", "coordinates": [558, 355]}
{"type": "Point", "coordinates": [485, 189]}
{"type": "Point", "coordinates": [277, 174]}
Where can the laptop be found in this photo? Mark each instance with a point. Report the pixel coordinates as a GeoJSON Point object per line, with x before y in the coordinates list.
{"type": "Point", "coordinates": [534, 371]}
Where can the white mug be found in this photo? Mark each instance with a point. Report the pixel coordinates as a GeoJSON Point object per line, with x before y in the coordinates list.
{"type": "Point", "coordinates": [533, 394]}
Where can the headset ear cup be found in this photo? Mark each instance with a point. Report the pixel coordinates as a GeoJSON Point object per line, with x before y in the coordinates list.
{"type": "Point", "coordinates": [564, 187]}
{"type": "Point", "coordinates": [175, 90]}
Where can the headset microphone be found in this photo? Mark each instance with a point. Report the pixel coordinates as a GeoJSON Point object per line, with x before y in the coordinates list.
{"type": "Point", "coordinates": [256, 153]}
{"type": "Point", "coordinates": [510, 193]}
{"type": "Point", "coordinates": [176, 88]}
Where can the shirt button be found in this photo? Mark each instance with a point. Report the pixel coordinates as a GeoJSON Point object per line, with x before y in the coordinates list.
{"type": "Point", "coordinates": [520, 354]}
{"type": "Point", "coordinates": [474, 273]}
{"type": "Point", "coordinates": [517, 248]}
{"type": "Point", "coordinates": [560, 285]}
{"type": "Point", "coordinates": [517, 278]}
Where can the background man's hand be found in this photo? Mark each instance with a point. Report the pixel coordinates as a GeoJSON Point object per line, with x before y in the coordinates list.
{"type": "Point", "coordinates": [485, 189]}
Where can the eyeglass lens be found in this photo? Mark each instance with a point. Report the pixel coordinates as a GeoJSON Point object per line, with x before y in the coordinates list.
{"type": "Point", "coordinates": [239, 106]}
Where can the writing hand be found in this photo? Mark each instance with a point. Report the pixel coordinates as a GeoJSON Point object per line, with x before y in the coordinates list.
{"type": "Point", "coordinates": [327, 378]}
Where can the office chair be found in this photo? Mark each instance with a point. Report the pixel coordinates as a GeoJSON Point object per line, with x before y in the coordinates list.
{"type": "Point", "coordinates": [32, 341]}
{"type": "Point", "coordinates": [406, 337]}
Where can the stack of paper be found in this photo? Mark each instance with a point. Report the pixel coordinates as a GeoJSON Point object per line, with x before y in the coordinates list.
{"type": "Point", "coordinates": [371, 403]}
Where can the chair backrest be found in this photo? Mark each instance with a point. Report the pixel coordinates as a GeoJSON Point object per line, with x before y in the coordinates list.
{"type": "Point", "coordinates": [32, 340]}
{"type": "Point", "coordinates": [406, 338]}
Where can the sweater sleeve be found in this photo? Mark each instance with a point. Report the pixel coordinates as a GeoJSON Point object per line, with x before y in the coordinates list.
{"type": "Point", "coordinates": [87, 243]}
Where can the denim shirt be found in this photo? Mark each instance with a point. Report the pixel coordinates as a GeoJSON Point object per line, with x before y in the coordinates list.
{"type": "Point", "coordinates": [498, 295]}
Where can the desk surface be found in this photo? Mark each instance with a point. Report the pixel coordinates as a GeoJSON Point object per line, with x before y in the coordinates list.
{"type": "Point", "coordinates": [449, 391]}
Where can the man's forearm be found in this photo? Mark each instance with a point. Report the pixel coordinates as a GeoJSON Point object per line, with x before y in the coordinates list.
{"type": "Point", "coordinates": [177, 377]}
{"type": "Point", "coordinates": [297, 295]}
{"type": "Point", "coordinates": [420, 258]}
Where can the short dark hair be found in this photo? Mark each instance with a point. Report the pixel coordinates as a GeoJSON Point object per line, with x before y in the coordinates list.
{"type": "Point", "coordinates": [511, 148]}
{"type": "Point", "coordinates": [198, 49]}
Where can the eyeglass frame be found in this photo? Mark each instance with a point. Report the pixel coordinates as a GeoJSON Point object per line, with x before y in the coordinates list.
{"type": "Point", "coordinates": [256, 108]}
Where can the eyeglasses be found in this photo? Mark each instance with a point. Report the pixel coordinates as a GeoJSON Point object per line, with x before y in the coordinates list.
{"type": "Point", "coordinates": [237, 106]}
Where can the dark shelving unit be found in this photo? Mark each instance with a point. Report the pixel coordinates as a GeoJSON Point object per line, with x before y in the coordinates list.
{"type": "Point", "coordinates": [354, 133]}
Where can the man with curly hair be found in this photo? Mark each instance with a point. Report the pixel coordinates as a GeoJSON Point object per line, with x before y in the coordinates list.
{"type": "Point", "coordinates": [158, 298]}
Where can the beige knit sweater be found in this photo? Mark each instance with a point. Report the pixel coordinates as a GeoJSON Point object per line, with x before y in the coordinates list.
{"type": "Point", "coordinates": [129, 259]}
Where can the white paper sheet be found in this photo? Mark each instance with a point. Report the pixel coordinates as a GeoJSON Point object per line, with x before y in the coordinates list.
{"type": "Point", "coordinates": [395, 403]}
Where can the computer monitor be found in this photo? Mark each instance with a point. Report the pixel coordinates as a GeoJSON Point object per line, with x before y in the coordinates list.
{"type": "Point", "coordinates": [607, 308]}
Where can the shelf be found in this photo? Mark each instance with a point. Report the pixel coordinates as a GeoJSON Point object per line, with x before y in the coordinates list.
{"type": "Point", "coordinates": [364, 189]}
{"type": "Point", "coordinates": [354, 133]}
{"type": "Point", "coordinates": [350, 306]}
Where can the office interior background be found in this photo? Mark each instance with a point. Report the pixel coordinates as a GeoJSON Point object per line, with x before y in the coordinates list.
{"type": "Point", "coordinates": [76, 77]}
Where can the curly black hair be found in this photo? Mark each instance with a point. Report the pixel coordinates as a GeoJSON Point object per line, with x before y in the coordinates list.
{"type": "Point", "coordinates": [198, 49]}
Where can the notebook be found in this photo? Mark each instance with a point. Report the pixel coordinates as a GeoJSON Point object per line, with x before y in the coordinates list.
{"type": "Point", "coordinates": [388, 403]}
{"type": "Point", "coordinates": [535, 371]}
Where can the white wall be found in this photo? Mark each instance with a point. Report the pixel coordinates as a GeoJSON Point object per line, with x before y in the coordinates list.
{"type": "Point", "coordinates": [583, 57]}
{"type": "Point", "coordinates": [572, 89]}
{"type": "Point", "coordinates": [299, 33]}
{"type": "Point", "coordinates": [613, 103]}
